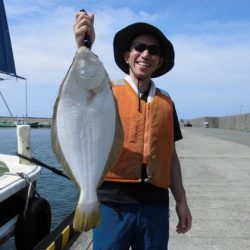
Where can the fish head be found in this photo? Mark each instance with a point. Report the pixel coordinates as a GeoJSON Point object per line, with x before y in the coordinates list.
{"type": "Point", "coordinates": [87, 69]}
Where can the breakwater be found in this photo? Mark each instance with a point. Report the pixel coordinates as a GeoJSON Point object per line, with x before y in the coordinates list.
{"type": "Point", "coordinates": [45, 121]}
{"type": "Point", "coordinates": [239, 122]}
{"type": "Point", "coordinates": [236, 122]}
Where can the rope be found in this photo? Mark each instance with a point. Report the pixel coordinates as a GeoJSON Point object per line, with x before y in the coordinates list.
{"type": "Point", "coordinates": [30, 189]}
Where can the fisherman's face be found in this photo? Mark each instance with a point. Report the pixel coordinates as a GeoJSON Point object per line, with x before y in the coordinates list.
{"type": "Point", "coordinates": [143, 60]}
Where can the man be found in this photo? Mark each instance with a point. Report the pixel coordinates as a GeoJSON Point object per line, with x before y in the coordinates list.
{"type": "Point", "coordinates": [134, 199]}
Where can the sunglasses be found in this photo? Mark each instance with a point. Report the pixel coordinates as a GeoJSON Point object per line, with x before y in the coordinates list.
{"type": "Point", "coordinates": [140, 47]}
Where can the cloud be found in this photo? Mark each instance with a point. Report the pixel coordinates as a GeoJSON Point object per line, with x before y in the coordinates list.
{"type": "Point", "coordinates": [198, 60]}
{"type": "Point", "coordinates": [211, 75]}
{"type": "Point", "coordinates": [42, 48]}
{"type": "Point", "coordinates": [43, 45]}
{"type": "Point", "coordinates": [212, 56]}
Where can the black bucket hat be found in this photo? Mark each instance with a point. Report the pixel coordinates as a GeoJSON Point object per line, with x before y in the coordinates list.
{"type": "Point", "coordinates": [124, 37]}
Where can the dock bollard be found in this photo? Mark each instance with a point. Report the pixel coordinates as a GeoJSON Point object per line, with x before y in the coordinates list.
{"type": "Point", "coordinates": [23, 143]}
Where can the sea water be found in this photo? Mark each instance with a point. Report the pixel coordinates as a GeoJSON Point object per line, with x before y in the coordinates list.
{"type": "Point", "coordinates": [60, 192]}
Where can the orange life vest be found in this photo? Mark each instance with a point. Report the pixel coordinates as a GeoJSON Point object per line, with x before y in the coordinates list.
{"type": "Point", "coordinates": [148, 138]}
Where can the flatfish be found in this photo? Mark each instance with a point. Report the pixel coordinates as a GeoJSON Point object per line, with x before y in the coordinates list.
{"type": "Point", "coordinates": [86, 132]}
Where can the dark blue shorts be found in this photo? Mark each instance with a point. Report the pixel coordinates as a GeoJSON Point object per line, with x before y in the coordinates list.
{"type": "Point", "coordinates": [137, 225]}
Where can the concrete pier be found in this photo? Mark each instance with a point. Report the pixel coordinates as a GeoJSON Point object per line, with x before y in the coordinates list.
{"type": "Point", "coordinates": [216, 175]}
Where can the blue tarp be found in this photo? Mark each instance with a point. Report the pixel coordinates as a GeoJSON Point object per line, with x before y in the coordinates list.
{"type": "Point", "coordinates": [7, 63]}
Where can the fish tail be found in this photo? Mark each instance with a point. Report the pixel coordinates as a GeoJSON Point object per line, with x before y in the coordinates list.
{"type": "Point", "coordinates": [87, 215]}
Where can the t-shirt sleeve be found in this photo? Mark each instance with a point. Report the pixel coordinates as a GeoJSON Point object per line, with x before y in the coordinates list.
{"type": "Point", "coordinates": [177, 130]}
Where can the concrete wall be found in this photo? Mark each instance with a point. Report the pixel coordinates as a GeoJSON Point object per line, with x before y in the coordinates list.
{"type": "Point", "coordinates": [199, 122]}
{"type": "Point", "coordinates": [237, 122]}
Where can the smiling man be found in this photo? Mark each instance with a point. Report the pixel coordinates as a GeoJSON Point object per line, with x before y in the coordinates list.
{"type": "Point", "coordinates": [134, 198]}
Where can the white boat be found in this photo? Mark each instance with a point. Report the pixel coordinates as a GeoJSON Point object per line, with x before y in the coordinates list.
{"type": "Point", "coordinates": [14, 183]}
{"type": "Point", "coordinates": [22, 211]}
{"type": "Point", "coordinates": [14, 176]}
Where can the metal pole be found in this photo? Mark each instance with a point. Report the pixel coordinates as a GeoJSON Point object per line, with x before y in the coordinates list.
{"type": "Point", "coordinates": [26, 101]}
{"type": "Point", "coordinates": [241, 107]}
{"type": "Point", "coordinates": [6, 104]}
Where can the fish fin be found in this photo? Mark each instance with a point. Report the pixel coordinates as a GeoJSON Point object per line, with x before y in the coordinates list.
{"type": "Point", "coordinates": [116, 146]}
{"type": "Point", "coordinates": [56, 147]}
{"type": "Point", "coordinates": [87, 215]}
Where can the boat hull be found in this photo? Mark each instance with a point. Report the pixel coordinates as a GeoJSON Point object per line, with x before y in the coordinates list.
{"type": "Point", "coordinates": [13, 191]}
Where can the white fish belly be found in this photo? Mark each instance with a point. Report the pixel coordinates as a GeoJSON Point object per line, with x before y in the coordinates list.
{"type": "Point", "coordinates": [86, 133]}
{"type": "Point", "coordinates": [85, 127]}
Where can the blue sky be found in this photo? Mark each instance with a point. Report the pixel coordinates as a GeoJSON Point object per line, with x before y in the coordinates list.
{"type": "Point", "coordinates": [211, 76]}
